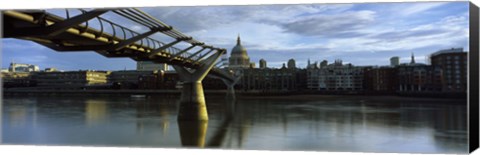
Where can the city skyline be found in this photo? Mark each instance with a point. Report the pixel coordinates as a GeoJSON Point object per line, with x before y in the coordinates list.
{"type": "Point", "coordinates": [361, 34]}
{"type": "Point", "coordinates": [376, 77]}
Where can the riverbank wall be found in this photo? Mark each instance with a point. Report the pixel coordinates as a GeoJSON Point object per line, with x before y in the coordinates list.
{"type": "Point", "coordinates": [247, 94]}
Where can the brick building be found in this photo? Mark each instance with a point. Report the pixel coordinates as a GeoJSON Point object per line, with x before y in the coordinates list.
{"type": "Point", "coordinates": [454, 63]}
{"type": "Point", "coordinates": [419, 78]}
{"type": "Point", "coordinates": [381, 79]}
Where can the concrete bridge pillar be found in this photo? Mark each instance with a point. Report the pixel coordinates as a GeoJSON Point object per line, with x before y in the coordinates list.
{"type": "Point", "coordinates": [192, 101]}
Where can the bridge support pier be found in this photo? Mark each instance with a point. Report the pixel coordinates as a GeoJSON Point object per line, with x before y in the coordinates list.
{"type": "Point", "coordinates": [192, 101]}
{"type": "Point", "coordinates": [231, 87]}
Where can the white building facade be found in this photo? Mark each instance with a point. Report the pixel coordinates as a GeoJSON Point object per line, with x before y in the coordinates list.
{"type": "Point", "coordinates": [335, 77]}
{"type": "Point", "coordinates": [18, 67]}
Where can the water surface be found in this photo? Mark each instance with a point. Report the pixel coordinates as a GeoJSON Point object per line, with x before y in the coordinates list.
{"type": "Point", "coordinates": [333, 124]}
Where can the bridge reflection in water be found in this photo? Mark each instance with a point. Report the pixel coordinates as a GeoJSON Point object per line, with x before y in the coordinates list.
{"type": "Point", "coordinates": [194, 133]}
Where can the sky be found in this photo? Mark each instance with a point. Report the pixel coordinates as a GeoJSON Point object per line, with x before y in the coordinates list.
{"type": "Point", "coordinates": [361, 34]}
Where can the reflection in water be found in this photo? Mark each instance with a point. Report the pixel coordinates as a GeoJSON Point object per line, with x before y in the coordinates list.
{"type": "Point", "coordinates": [339, 124]}
{"type": "Point", "coordinates": [451, 127]}
{"type": "Point", "coordinates": [18, 116]}
{"type": "Point", "coordinates": [193, 133]}
{"type": "Point", "coordinates": [164, 113]}
{"type": "Point", "coordinates": [22, 113]}
{"type": "Point", "coordinates": [219, 136]}
{"type": "Point", "coordinates": [244, 124]}
{"type": "Point", "coordinates": [146, 109]}
{"type": "Point", "coordinates": [96, 111]}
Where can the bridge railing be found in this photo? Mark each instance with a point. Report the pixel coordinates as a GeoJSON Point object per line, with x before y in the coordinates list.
{"type": "Point", "coordinates": [110, 38]}
{"type": "Point", "coordinates": [116, 32]}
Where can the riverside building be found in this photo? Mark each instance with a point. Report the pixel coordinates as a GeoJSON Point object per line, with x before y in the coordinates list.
{"type": "Point", "coordinates": [129, 79]}
{"type": "Point", "coordinates": [272, 79]}
{"type": "Point", "coordinates": [454, 65]}
{"type": "Point", "coordinates": [419, 78]}
{"type": "Point", "coordinates": [18, 67]}
{"type": "Point", "coordinates": [381, 79]}
{"type": "Point", "coordinates": [151, 66]}
{"type": "Point", "coordinates": [335, 77]}
{"type": "Point", "coordinates": [16, 79]}
{"type": "Point", "coordinates": [70, 78]}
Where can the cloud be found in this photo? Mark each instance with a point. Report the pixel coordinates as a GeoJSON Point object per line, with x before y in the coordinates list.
{"type": "Point", "coordinates": [338, 25]}
{"type": "Point", "coordinates": [368, 33]}
{"type": "Point", "coordinates": [281, 32]}
{"type": "Point", "coordinates": [191, 19]}
{"type": "Point", "coordinates": [447, 31]}
{"type": "Point", "coordinates": [415, 8]}
{"type": "Point", "coordinates": [402, 35]}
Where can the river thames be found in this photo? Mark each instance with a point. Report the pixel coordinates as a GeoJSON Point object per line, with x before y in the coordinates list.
{"type": "Point", "coordinates": [352, 124]}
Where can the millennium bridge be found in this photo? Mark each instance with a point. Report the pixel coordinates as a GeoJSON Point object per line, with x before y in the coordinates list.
{"type": "Point", "coordinates": [88, 30]}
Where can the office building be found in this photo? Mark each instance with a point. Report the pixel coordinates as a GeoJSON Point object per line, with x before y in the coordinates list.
{"type": "Point", "coordinates": [394, 61]}
{"type": "Point", "coordinates": [128, 79]}
{"type": "Point", "coordinates": [336, 76]}
{"type": "Point", "coordinates": [270, 80]}
{"type": "Point", "coordinates": [70, 78]}
{"type": "Point", "coordinates": [16, 79]}
{"type": "Point", "coordinates": [419, 78]}
{"type": "Point", "coordinates": [18, 67]}
{"type": "Point", "coordinates": [262, 63]}
{"type": "Point", "coordinates": [381, 79]}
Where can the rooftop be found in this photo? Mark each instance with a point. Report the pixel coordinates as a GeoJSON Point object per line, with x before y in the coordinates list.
{"type": "Point", "coordinates": [444, 51]}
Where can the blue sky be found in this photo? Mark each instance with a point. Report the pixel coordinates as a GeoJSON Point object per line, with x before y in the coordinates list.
{"type": "Point", "coordinates": [361, 34]}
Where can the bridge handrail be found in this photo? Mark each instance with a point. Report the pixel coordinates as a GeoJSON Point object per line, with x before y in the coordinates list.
{"type": "Point", "coordinates": [147, 43]}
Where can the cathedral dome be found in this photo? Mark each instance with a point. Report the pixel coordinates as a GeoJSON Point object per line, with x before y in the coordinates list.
{"type": "Point", "coordinates": [239, 57]}
{"type": "Point", "coordinates": [239, 50]}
